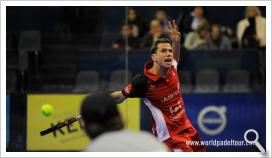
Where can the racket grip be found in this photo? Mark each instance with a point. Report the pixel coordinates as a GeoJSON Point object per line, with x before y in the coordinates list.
{"type": "Point", "coordinates": [49, 130]}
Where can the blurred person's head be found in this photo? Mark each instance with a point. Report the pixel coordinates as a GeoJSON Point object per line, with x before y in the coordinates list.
{"type": "Point", "coordinates": [215, 31]}
{"type": "Point", "coordinates": [126, 31]}
{"type": "Point", "coordinates": [161, 14]}
{"type": "Point", "coordinates": [252, 11]}
{"type": "Point", "coordinates": [155, 27]}
{"type": "Point", "coordinates": [100, 114]}
{"type": "Point", "coordinates": [132, 14]}
{"type": "Point", "coordinates": [162, 53]}
{"type": "Point", "coordinates": [203, 29]}
{"type": "Point", "coordinates": [198, 11]}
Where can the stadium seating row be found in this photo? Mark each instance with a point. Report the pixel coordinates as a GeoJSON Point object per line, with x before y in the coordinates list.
{"type": "Point", "coordinates": [206, 81]}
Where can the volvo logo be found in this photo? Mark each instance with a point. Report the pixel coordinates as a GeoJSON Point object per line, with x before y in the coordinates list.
{"type": "Point", "coordinates": [214, 116]}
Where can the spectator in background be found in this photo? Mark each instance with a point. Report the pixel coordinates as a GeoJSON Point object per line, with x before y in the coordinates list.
{"type": "Point", "coordinates": [126, 32]}
{"type": "Point", "coordinates": [251, 30]}
{"type": "Point", "coordinates": [199, 38]}
{"type": "Point", "coordinates": [156, 31]}
{"type": "Point", "coordinates": [103, 124]}
{"type": "Point", "coordinates": [161, 15]}
{"type": "Point", "coordinates": [192, 21]}
{"type": "Point", "coordinates": [228, 32]}
{"type": "Point", "coordinates": [139, 26]}
{"type": "Point", "coordinates": [218, 41]}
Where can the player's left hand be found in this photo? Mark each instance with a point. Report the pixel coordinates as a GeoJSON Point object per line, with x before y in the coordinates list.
{"type": "Point", "coordinates": [173, 31]}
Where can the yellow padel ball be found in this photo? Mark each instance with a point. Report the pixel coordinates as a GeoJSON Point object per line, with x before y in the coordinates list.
{"type": "Point", "coordinates": [47, 110]}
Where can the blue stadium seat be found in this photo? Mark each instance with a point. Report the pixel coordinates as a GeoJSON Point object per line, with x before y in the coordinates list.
{"type": "Point", "coordinates": [87, 81]}
{"type": "Point", "coordinates": [117, 79]}
{"type": "Point", "coordinates": [237, 81]}
{"type": "Point", "coordinates": [207, 81]}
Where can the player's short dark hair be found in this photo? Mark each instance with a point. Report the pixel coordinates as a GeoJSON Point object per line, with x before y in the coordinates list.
{"type": "Point", "coordinates": [157, 42]}
{"type": "Point", "coordinates": [98, 107]}
{"type": "Point", "coordinates": [100, 114]}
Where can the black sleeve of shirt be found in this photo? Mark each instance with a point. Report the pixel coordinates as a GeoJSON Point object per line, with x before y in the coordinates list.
{"type": "Point", "coordinates": [136, 88]}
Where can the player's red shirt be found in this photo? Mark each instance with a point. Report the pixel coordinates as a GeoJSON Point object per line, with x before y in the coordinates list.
{"type": "Point", "coordinates": [163, 98]}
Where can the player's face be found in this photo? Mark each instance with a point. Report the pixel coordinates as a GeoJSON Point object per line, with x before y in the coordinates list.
{"type": "Point", "coordinates": [164, 55]}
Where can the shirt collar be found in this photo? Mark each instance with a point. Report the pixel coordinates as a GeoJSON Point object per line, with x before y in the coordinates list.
{"type": "Point", "coordinates": [150, 75]}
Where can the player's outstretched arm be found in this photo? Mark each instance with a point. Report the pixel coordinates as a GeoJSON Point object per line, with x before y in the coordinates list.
{"type": "Point", "coordinates": [118, 96]}
{"type": "Point", "coordinates": [175, 37]}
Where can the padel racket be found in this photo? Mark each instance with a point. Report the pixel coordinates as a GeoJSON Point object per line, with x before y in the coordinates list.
{"type": "Point", "coordinates": [60, 125]}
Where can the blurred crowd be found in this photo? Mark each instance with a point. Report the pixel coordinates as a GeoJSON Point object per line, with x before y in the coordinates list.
{"type": "Point", "coordinates": [58, 43]}
{"type": "Point", "coordinates": [197, 32]}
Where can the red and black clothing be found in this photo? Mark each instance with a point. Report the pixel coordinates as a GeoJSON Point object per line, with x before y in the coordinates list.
{"type": "Point", "coordinates": [163, 98]}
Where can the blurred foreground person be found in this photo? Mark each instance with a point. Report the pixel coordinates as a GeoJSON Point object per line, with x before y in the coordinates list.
{"type": "Point", "coordinates": [103, 125]}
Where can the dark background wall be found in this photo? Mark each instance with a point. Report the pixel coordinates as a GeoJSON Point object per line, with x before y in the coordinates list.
{"type": "Point", "coordinates": [47, 19]}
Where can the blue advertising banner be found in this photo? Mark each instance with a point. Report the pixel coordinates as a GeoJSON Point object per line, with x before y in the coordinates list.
{"type": "Point", "coordinates": [223, 119]}
{"type": "Point", "coordinates": [227, 117]}
{"type": "Point", "coordinates": [7, 119]}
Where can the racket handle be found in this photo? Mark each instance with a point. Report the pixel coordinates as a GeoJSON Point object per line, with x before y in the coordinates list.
{"type": "Point", "coordinates": [51, 129]}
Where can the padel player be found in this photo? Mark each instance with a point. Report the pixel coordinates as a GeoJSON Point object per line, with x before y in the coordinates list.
{"type": "Point", "coordinates": [159, 86]}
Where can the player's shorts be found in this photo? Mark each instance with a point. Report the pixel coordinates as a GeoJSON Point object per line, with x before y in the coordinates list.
{"type": "Point", "coordinates": [178, 142]}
